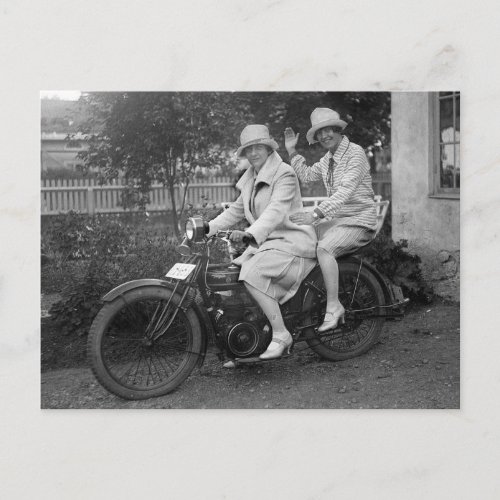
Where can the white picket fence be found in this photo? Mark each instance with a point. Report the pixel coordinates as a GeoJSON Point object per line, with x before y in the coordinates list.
{"type": "Point", "coordinates": [87, 196]}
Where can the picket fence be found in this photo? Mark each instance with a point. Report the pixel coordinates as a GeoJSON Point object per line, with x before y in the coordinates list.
{"type": "Point", "coordinates": [87, 196]}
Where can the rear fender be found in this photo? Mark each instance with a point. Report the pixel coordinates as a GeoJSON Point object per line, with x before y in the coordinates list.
{"type": "Point", "coordinates": [388, 295]}
{"type": "Point", "coordinates": [197, 305]}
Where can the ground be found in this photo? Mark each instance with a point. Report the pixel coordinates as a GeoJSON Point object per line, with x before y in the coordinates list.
{"type": "Point", "coordinates": [416, 364]}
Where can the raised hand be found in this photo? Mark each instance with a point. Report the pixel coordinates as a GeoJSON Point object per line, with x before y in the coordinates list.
{"type": "Point", "coordinates": [290, 140]}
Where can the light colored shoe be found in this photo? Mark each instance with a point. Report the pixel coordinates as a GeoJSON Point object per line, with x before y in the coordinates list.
{"type": "Point", "coordinates": [229, 364]}
{"type": "Point", "coordinates": [276, 348]}
{"type": "Point", "coordinates": [332, 320]}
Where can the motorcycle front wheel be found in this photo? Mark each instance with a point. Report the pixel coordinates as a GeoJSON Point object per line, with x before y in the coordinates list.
{"type": "Point", "coordinates": [361, 295]}
{"type": "Point", "coordinates": [141, 345]}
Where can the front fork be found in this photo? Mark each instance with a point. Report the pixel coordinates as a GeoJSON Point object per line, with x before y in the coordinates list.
{"type": "Point", "coordinates": [161, 321]}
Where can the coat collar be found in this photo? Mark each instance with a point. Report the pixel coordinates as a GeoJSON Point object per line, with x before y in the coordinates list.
{"type": "Point", "coordinates": [266, 173]}
{"type": "Point", "coordinates": [343, 146]}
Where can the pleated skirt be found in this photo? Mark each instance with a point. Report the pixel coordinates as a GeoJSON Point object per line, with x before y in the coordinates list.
{"type": "Point", "coordinates": [277, 274]}
{"type": "Point", "coordinates": [339, 237]}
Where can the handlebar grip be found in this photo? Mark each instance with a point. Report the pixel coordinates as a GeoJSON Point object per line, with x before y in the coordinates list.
{"type": "Point", "coordinates": [227, 234]}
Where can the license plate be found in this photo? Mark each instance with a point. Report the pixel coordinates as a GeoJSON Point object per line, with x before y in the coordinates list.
{"type": "Point", "coordinates": [180, 271]}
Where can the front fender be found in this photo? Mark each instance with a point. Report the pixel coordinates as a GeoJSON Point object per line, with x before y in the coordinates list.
{"type": "Point", "coordinates": [130, 285]}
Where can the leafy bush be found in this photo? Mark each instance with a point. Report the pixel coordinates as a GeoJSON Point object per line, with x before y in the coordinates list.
{"type": "Point", "coordinates": [77, 236]}
{"type": "Point", "coordinates": [146, 257]}
{"type": "Point", "coordinates": [57, 272]}
{"type": "Point", "coordinates": [87, 256]}
{"type": "Point", "coordinates": [399, 266]}
{"type": "Point", "coordinates": [106, 252]}
{"type": "Point", "coordinates": [81, 300]}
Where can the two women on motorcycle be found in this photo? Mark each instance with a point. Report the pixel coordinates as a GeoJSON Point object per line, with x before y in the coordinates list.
{"type": "Point", "coordinates": [286, 239]}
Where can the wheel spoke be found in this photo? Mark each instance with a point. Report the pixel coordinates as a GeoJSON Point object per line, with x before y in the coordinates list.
{"type": "Point", "coordinates": [148, 359]}
{"type": "Point", "coordinates": [157, 370]}
{"type": "Point", "coordinates": [125, 372]}
{"type": "Point", "coordinates": [124, 368]}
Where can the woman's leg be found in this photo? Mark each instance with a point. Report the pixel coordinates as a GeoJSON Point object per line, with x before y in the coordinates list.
{"type": "Point", "coordinates": [330, 270]}
{"type": "Point", "coordinates": [334, 309]}
{"type": "Point", "coordinates": [271, 309]}
{"type": "Point", "coordinates": [336, 240]}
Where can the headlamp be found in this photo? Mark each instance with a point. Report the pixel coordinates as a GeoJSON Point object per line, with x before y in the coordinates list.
{"type": "Point", "coordinates": [196, 228]}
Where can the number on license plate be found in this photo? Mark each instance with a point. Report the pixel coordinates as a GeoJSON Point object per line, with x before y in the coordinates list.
{"type": "Point", "coordinates": [180, 271]}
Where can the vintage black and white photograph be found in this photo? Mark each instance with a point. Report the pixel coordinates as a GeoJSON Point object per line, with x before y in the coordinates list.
{"type": "Point", "coordinates": [250, 250]}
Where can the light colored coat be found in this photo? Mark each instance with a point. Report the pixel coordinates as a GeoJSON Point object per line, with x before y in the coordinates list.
{"type": "Point", "coordinates": [266, 201]}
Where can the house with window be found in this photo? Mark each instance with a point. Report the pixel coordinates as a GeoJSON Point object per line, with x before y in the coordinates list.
{"type": "Point", "coordinates": [59, 120]}
{"type": "Point", "coordinates": [57, 152]}
{"type": "Point", "coordinates": [425, 141]}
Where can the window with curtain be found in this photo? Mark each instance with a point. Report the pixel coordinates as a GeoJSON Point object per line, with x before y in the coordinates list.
{"type": "Point", "coordinates": [446, 178]}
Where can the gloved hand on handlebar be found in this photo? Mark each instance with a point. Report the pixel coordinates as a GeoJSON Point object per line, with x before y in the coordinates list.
{"type": "Point", "coordinates": [240, 236]}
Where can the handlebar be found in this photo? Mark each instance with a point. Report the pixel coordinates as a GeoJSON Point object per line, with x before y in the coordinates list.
{"type": "Point", "coordinates": [226, 235]}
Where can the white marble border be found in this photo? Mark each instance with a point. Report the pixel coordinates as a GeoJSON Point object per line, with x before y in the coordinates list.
{"type": "Point", "coordinates": [243, 45]}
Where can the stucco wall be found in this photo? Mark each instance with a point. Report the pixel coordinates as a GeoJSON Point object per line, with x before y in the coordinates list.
{"type": "Point", "coordinates": [431, 225]}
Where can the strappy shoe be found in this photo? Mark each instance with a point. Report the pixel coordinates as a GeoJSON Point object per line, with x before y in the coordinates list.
{"type": "Point", "coordinates": [332, 320]}
{"type": "Point", "coordinates": [276, 348]}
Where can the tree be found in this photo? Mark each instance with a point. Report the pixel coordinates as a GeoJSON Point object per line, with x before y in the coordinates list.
{"type": "Point", "coordinates": [159, 137]}
{"type": "Point", "coordinates": [367, 115]}
{"type": "Point", "coordinates": [162, 136]}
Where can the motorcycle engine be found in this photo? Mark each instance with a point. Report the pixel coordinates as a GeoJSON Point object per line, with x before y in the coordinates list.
{"type": "Point", "coordinates": [242, 329]}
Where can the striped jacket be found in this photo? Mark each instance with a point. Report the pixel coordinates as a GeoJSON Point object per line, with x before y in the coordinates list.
{"type": "Point", "coordinates": [349, 188]}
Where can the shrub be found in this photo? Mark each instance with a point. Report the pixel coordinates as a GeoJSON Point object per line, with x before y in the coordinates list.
{"type": "Point", "coordinates": [77, 236]}
{"type": "Point", "coordinates": [81, 299]}
{"type": "Point", "coordinates": [88, 256]}
{"type": "Point", "coordinates": [147, 257]}
{"type": "Point", "coordinates": [105, 252]}
{"type": "Point", "coordinates": [399, 266]}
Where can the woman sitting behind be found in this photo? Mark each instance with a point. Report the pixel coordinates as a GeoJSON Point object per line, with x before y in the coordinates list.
{"type": "Point", "coordinates": [284, 253]}
{"type": "Point", "coordinates": [347, 220]}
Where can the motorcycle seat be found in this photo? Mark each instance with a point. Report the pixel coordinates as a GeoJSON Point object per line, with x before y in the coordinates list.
{"type": "Point", "coordinates": [381, 206]}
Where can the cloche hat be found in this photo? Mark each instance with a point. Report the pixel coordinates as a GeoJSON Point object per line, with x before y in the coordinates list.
{"type": "Point", "coordinates": [255, 134]}
{"type": "Point", "coordinates": [323, 117]}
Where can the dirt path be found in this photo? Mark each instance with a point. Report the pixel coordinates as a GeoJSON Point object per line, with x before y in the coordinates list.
{"type": "Point", "coordinates": [415, 365]}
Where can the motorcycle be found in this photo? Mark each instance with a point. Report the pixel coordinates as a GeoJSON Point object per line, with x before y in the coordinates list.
{"type": "Point", "coordinates": [152, 333]}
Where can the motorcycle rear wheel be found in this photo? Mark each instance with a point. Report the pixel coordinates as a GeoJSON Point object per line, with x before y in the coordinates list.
{"type": "Point", "coordinates": [358, 289]}
{"type": "Point", "coordinates": [126, 358]}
